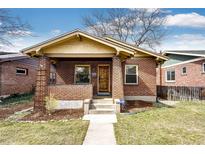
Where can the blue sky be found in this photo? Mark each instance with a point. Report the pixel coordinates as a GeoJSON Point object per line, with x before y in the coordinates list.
{"type": "Point", "coordinates": [186, 27]}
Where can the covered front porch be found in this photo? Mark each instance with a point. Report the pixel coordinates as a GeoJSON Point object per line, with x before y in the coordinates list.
{"type": "Point", "coordinates": [82, 73]}
{"type": "Point", "coordinates": [78, 82]}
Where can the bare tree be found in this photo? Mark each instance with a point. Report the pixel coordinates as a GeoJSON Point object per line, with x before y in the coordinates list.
{"type": "Point", "coordinates": [11, 27]}
{"type": "Point", "coordinates": [142, 27]}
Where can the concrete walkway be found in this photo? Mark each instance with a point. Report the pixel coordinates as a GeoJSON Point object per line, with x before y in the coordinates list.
{"type": "Point", "coordinates": [100, 130]}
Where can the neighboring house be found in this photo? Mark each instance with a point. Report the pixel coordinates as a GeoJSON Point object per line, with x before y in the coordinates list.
{"type": "Point", "coordinates": [5, 53]}
{"type": "Point", "coordinates": [184, 68]}
{"type": "Point", "coordinates": [77, 67]}
{"type": "Point", "coordinates": [17, 74]}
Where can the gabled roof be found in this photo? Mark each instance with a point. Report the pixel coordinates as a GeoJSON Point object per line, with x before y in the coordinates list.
{"type": "Point", "coordinates": [197, 53]}
{"type": "Point", "coordinates": [118, 45]}
{"type": "Point", "coordinates": [11, 57]}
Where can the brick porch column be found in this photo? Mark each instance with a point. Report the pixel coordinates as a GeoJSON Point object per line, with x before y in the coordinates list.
{"type": "Point", "coordinates": [42, 84]}
{"type": "Point", "coordinates": [117, 78]}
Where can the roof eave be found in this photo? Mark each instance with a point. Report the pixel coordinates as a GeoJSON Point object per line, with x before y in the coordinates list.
{"type": "Point", "coordinates": [73, 33]}
{"type": "Point", "coordinates": [139, 49]}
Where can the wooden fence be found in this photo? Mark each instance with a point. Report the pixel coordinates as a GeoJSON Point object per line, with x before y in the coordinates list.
{"type": "Point", "coordinates": [181, 93]}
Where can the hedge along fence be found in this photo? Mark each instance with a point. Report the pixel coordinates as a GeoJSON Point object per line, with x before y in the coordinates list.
{"type": "Point", "coordinates": [181, 93]}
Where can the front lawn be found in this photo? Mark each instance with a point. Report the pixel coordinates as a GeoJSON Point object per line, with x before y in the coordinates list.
{"type": "Point", "coordinates": [50, 132]}
{"type": "Point", "coordinates": [183, 124]}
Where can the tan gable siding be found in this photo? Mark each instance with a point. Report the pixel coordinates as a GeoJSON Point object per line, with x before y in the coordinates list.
{"type": "Point", "coordinates": [79, 46]}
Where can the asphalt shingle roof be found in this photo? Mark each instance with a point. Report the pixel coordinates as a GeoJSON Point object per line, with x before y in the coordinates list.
{"type": "Point", "coordinates": [8, 57]}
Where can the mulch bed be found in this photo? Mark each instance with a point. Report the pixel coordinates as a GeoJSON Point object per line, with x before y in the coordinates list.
{"type": "Point", "coordinates": [6, 111]}
{"type": "Point", "coordinates": [137, 106]}
{"type": "Point", "coordinates": [57, 115]}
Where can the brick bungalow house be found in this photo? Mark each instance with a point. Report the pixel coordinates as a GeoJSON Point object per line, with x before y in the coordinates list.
{"type": "Point", "coordinates": [184, 68]}
{"type": "Point", "coordinates": [84, 70]}
{"type": "Point", "coordinates": [17, 73]}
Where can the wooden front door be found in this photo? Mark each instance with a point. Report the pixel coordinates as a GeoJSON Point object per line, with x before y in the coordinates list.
{"type": "Point", "coordinates": [103, 78]}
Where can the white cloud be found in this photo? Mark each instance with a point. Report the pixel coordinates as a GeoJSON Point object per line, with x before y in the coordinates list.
{"type": "Point", "coordinates": [17, 44]}
{"type": "Point", "coordinates": [20, 33]}
{"type": "Point", "coordinates": [55, 32]}
{"type": "Point", "coordinates": [184, 42]}
{"type": "Point", "coordinates": [186, 20]}
{"type": "Point", "coordinates": [23, 42]}
{"type": "Point", "coordinates": [149, 10]}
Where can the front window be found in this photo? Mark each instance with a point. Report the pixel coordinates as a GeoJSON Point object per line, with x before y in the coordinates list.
{"type": "Point", "coordinates": [82, 74]}
{"type": "Point", "coordinates": [170, 75]}
{"type": "Point", "coordinates": [131, 74]}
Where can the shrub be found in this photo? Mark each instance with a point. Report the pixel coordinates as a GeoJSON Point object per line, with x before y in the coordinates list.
{"type": "Point", "coordinates": [51, 103]}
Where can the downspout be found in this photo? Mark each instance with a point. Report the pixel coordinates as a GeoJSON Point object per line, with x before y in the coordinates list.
{"type": "Point", "coordinates": [160, 74]}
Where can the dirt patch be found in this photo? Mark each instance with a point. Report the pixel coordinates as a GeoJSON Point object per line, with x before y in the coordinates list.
{"type": "Point", "coordinates": [57, 115]}
{"type": "Point", "coordinates": [6, 111]}
{"type": "Point", "coordinates": [137, 106]}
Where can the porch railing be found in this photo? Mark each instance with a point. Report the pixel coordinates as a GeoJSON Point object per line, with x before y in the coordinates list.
{"type": "Point", "coordinates": [71, 92]}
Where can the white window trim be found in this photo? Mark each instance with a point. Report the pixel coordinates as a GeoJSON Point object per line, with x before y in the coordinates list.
{"type": "Point", "coordinates": [136, 75]}
{"type": "Point", "coordinates": [170, 81]}
{"type": "Point", "coordinates": [182, 71]}
{"type": "Point", "coordinates": [24, 69]}
{"type": "Point", "coordinates": [78, 65]}
{"type": "Point", "coordinates": [203, 71]}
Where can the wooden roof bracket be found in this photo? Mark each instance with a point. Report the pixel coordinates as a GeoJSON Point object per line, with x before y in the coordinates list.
{"type": "Point", "coordinates": [79, 37]}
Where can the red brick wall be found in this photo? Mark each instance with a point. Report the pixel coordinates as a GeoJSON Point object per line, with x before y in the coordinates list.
{"type": "Point", "coordinates": [12, 83]}
{"type": "Point", "coordinates": [71, 92]}
{"type": "Point", "coordinates": [147, 75]}
{"type": "Point", "coordinates": [146, 80]}
{"type": "Point", "coordinates": [117, 84]}
{"type": "Point", "coordinates": [195, 77]}
{"type": "Point", "coordinates": [65, 70]}
{"type": "Point", "coordinates": [42, 81]}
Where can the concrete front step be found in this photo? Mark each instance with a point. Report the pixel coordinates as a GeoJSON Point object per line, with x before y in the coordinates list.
{"type": "Point", "coordinates": [103, 106]}
{"type": "Point", "coordinates": [103, 101]}
{"type": "Point", "coordinates": [102, 111]}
